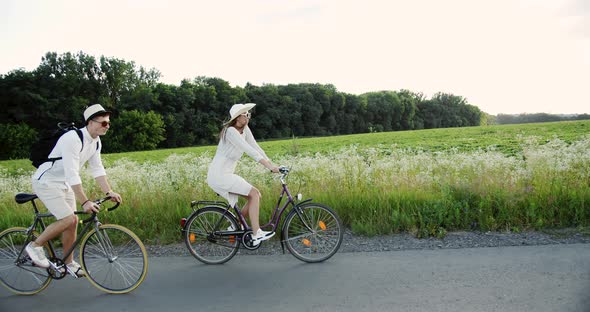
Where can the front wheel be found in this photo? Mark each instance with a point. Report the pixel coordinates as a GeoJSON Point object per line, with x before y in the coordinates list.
{"type": "Point", "coordinates": [114, 258]}
{"type": "Point", "coordinates": [312, 232]}
{"type": "Point", "coordinates": [17, 272]}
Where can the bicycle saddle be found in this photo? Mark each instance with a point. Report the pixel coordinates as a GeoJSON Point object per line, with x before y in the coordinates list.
{"type": "Point", "coordinates": [22, 198]}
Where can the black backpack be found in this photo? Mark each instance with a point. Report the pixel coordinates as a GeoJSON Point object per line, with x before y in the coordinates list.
{"type": "Point", "coordinates": [41, 149]}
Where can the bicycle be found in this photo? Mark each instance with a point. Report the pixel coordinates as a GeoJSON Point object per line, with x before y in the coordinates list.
{"type": "Point", "coordinates": [113, 257]}
{"type": "Point", "coordinates": [213, 234]}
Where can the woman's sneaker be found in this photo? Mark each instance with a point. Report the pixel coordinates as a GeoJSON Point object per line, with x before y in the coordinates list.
{"type": "Point", "coordinates": [37, 255]}
{"type": "Point", "coordinates": [75, 269]}
{"type": "Point", "coordinates": [261, 236]}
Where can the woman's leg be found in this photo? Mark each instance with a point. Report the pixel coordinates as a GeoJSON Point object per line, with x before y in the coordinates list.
{"type": "Point", "coordinates": [252, 207]}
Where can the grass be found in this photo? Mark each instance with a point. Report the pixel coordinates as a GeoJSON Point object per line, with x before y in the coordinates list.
{"type": "Point", "coordinates": [427, 182]}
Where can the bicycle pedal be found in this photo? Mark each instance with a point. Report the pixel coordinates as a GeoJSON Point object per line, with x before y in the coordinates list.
{"type": "Point", "coordinates": [73, 274]}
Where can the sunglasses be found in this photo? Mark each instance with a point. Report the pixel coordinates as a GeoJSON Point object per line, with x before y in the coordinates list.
{"type": "Point", "coordinates": [247, 115]}
{"type": "Point", "coordinates": [103, 123]}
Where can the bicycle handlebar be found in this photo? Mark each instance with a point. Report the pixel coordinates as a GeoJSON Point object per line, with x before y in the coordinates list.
{"type": "Point", "coordinates": [284, 170]}
{"type": "Point", "coordinates": [98, 202]}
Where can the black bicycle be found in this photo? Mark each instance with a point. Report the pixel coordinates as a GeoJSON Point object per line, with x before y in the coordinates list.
{"type": "Point", "coordinates": [113, 257]}
{"type": "Point", "coordinates": [312, 232]}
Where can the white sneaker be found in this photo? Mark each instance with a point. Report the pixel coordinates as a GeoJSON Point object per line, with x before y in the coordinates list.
{"type": "Point", "coordinates": [231, 227]}
{"type": "Point", "coordinates": [261, 236]}
{"type": "Point", "coordinates": [37, 255]}
{"type": "Point", "coordinates": [75, 268]}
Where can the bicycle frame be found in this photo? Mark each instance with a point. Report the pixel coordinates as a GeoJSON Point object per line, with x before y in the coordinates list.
{"type": "Point", "coordinates": [278, 212]}
{"type": "Point", "coordinates": [91, 222]}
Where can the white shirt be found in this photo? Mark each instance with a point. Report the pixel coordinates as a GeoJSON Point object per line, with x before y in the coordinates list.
{"type": "Point", "coordinates": [232, 146]}
{"type": "Point", "coordinates": [66, 171]}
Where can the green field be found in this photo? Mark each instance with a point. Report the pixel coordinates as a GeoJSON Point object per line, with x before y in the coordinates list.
{"type": "Point", "coordinates": [505, 138]}
{"type": "Point", "coordinates": [428, 182]}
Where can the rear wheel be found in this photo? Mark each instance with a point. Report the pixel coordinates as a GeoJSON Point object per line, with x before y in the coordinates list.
{"type": "Point", "coordinates": [18, 273]}
{"type": "Point", "coordinates": [204, 235]}
{"type": "Point", "coordinates": [312, 232]}
{"type": "Point", "coordinates": [114, 258]}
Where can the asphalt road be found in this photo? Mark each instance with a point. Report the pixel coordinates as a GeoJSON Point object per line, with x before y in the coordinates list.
{"type": "Point", "coordinates": [531, 278]}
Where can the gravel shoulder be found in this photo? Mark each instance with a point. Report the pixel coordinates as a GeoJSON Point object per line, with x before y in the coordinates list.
{"type": "Point", "coordinates": [406, 241]}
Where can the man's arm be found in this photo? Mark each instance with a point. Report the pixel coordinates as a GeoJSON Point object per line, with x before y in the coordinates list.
{"type": "Point", "coordinates": [87, 204]}
{"type": "Point", "coordinates": [106, 188]}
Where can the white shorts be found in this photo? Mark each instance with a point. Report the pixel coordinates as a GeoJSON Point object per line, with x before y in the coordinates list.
{"type": "Point", "coordinates": [59, 201]}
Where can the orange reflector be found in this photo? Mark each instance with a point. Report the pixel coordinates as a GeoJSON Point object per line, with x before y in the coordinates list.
{"type": "Point", "coordinates": [232, 239]}
{"type": "Point", "coordinates": [192, 237]}
{"type": "Point", "coordinates": [306, 242]}
{"type": "Point", "coordinates": [322, 225]}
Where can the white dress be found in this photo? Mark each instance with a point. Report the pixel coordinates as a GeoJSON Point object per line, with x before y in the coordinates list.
{"type": "Point", "coordinates": [231, 147]}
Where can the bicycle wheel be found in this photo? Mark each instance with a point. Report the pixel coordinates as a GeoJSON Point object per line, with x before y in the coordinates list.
{"type": "Point", "coordinates": [18, 274]}
{"type": "Point", "coordinates": [314, 235]}
{"type": "Point", "coordinates": [114, 258]}
{"type": "Point", "coordinates": [201, 241]}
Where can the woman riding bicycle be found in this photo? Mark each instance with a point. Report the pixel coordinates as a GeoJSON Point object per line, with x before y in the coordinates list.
{"type": "Point", "coordinates": [235, 139]}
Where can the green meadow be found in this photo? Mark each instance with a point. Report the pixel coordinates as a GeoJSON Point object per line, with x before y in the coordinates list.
{"type": "Point", "coordinates": [427, 182]}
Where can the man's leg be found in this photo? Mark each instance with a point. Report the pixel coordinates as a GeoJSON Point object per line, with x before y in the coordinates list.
{"type": "Point", "coordinates": [54, 229]}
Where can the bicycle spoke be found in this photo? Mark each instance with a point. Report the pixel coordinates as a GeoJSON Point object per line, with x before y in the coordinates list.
{"type": "Point", "coordinates": [201, 241]}
{"type": "Point", "coordinates": [20, 276]}
{"type": "Point", "coordinates": [115, 261]}
{"type": "Point", "coordinates": [313, 233]}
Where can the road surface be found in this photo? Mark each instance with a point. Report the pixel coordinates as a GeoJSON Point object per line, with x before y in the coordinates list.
{"type": "Point", "coordinates": [528, 278]}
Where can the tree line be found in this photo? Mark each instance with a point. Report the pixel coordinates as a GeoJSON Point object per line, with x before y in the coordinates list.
{"type": "Point", "coordinates": [502, 119]}
{"type": "Point", "coordinates": [148, 114]}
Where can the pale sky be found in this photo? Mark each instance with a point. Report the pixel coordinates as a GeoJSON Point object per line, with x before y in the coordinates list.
{"type": "Point", "coordinates": [504, 56]}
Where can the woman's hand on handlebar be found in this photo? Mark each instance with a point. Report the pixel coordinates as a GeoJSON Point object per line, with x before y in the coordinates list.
{"type": "Point", "coordinates": [274, 169]}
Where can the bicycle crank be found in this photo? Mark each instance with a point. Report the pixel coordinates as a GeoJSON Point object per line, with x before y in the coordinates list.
{"type": "Point", "coordinates": [247, 241]}
{"type": "Point", "coordinates": [55, 268]}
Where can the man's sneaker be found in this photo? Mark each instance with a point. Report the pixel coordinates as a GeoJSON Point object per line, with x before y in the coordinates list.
{"type": "Point", "coordinates": [37, 255]}
{"type": "Point", "coordinates": [75, 269]}
{"type": "Point", "coordinates": [261, 236]}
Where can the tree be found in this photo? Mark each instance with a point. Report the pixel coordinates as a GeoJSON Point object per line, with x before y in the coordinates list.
{"type": "Point", "coordinates": [16, 140]}
{"type": "Point", "coordinates": [135, 131]}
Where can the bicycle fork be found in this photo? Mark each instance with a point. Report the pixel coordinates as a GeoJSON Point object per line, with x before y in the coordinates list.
{"type": "Point", "coordinates": [305, 223]}
{"type": "Point", "coordinates": [106, 245]}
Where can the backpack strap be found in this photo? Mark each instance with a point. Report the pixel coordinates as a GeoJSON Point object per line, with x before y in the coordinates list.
{"type": "Point", "coordinates": [80, 135]}
{"type": "Point", "coordinates": [54, 159]}
{"type": "Point", "coordinates": [79, 132]}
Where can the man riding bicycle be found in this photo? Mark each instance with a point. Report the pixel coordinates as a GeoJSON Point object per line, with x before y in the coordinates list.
{"type": "Point", "coordinates": [58, 184]}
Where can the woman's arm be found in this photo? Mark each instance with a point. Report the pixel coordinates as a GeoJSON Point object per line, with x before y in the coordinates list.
{"type": "Point", "coordinates": [233, 136]}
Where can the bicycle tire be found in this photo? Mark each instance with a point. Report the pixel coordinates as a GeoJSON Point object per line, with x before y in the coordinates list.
{"type": "Point", "coordinates": [201, 242]}
{"type": "Point", "coordinates": [317, 236]}
{"type": "Point", "coordinates": [22, 278]}
{"type": "Point", "coordinates": [114, 259]}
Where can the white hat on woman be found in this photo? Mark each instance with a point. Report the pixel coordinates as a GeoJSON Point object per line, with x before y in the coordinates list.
{"type": "Point", "coordinates": [238, 109]}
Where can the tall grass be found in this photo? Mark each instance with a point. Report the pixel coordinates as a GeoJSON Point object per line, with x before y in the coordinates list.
{"type": "Point", "coordinates": [375, 190]}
